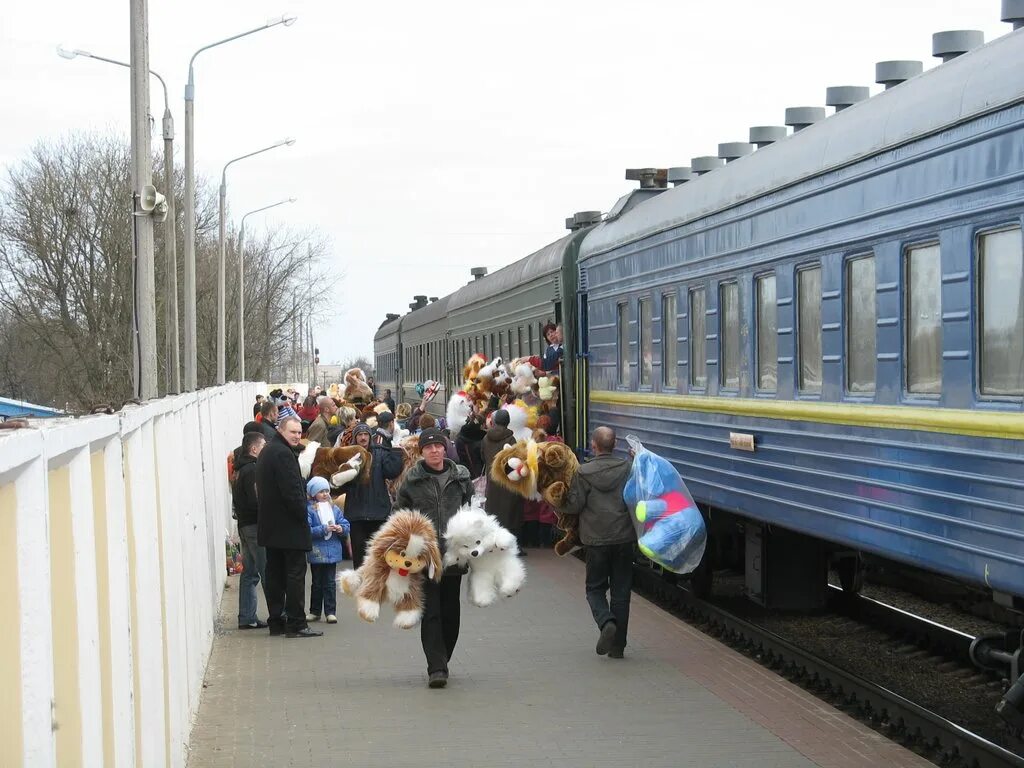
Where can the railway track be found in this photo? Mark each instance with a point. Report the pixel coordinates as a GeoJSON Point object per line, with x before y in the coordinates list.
{"type": "Point", "coordinates": [935, 737]}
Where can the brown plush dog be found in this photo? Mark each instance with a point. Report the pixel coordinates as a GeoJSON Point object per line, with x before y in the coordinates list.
{"type": "Point", "coordinates": [341, 465]}
{"type": "Point", "coordinates": [398, 557]}
{"type": "Point", "coordinates": [532, 469]}
{"type": "Point", "coordinates": [356, 387]}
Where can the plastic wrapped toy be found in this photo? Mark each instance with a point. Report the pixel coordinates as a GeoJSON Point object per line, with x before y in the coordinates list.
{"type": "Point", "coordinates": [670, 527]}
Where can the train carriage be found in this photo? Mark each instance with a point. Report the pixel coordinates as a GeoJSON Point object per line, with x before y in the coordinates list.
{"type": "Point", "coordinates": [424, 333]}
{"type": "Point", "coordinates": [387, 356]}
{"type": "Point", "coordinates": [826, 336]}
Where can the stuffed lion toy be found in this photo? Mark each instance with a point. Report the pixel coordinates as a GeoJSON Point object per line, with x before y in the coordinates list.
{"type": "Point", "coordinates": [541, 470]}
{"type": "Point", "coordinates": [400, 555]}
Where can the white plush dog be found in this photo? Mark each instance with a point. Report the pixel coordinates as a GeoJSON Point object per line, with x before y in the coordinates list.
{"type": "Point", "coordinates": [476, 540]}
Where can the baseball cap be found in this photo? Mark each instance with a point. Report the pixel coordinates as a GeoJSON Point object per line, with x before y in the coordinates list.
{"type": "Point", "coordinates": [432, 436]}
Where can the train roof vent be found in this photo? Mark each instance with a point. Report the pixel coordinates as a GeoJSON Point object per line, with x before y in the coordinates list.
{"type": "Point", "coordinates": [582, 219]}
{"type": "Point", "coordinates": [890, 73]}
{"type": "Point", "coordinates": [843, 96]}
{"type": "Point", "coordinates": [1013, 13]}
{"type": "Point", "coordinates": [734, 150]}
{"type": "Point", "coordinates": [957, 42]}
{"type": "Point", "coordinates": [799, 118]}
{"type": "Point", "coordinates": [558, 287]}
{"type": "Point", "coordinates": [391, 316]}
{"type": "Point", "coordinates": [763, 135]}
{"type": "Point", "coordinates": [649, 178]}
{"type": "Point", "coordinates": [706, 164]}
{"type": "Point", "coordinates": [680, 175]}
{"type": "Point", "coordinates": [478, 272]}
{"type": "Point", "coordinates": [418, 302]}
{"type": "Point", "coordinates": [583, 279]}
{"type": "Point", "coordinates": [433, 299]}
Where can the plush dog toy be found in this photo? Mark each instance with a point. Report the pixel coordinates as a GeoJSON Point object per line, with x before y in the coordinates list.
{"type": "Point", "coordinates": [476, 540]}
{"type": "Point", "coordinates": [460, 408]}
{"type": "Point", "coordinates": [400, 555]}
{"type": "Point", "coordinates": [356, 387]}
{"type": "Point", "coordinates": [541, 470]}
{"type": "Point", "coordinates": [337, 465]}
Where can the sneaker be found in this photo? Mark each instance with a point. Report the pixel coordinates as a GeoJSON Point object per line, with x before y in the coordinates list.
{"type": "Point", "coordinates": [615, 653]}
{"type": "Point", "coordinates": [438, 679]}
{"type": "Point", "coordinates": [604, 642]}
{"type": "Point", "coordinates": [255, 625]}
{"type": "Point", "coordinates": [312, 617]}
{"type": "Point", "coordinates": [332, 619]}
{"type": "Point", "coordinates": [305, 632]}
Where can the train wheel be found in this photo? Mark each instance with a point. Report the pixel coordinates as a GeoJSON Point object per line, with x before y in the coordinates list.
{"type": "Point", "coordinates": [851, 573]}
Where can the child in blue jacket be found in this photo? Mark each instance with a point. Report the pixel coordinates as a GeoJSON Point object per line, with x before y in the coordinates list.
{"type": "Point", "coordinates": [328, 549]}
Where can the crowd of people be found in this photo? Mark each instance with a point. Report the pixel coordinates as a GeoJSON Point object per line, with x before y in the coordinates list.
{"type": "Point", "coordinates": [286, 524]}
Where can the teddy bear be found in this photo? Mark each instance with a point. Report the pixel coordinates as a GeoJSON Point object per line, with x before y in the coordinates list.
{"type": "Point", "coordinates": [356, 387]}
{"type": "Point", "coordinates": [547, 387]}
{"type": "Point", "coordinates": [522, 378]}
{"type": "Point", "coordinates": [475, 540]}
{"type": "Point", "coordinates": [399, 556]}
{"type": "Point", "coordinates": [541, 470]}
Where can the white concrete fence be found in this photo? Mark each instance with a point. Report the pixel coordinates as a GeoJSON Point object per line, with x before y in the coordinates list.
{"type": "Point", "coordinates": [112, 565]}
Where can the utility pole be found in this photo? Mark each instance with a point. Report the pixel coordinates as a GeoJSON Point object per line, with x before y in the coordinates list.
{"type": "Point", "coordinates": [142, 175]}
{"type": "Point", "coordinates": [173, 362]}
{"type": "Point", "coordinates": [295, 310]}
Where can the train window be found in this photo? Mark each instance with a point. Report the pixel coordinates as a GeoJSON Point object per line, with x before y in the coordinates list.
{"type": "Point", "coordinates": [494, 349]}
{"type": "Point", "coordinates": [698, 340]}
{"type": "Point", "coordinates": [669, 353]}
{"type": "Point", "coordinates": [729, 336]}
{"type": "Point", "coordinates": [646, 343]}
{"type": "Point", "coordinates": [924, 319]}
{"type": "Point", "coordinates": [808, 295]}
{"type": "Point", "coordinates": [623, 348]}
{"type": "Point", "coordinates": [767, 335]}
{"type": "Point", "coordinates": [860, 325]}
{"type": "Point", "coordinates": [519, 341]}
{"type": "Point", "coordinates": [1001, 313]}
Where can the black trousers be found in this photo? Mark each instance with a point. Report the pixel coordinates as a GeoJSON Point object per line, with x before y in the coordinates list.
{"type": "Point", "coordinates": [439, 630]}
{"type": "Point", "coordinates": [286, 589]}
{"type": "Point", "coordinates": [610, 569]}
{"type": "Point", "coordinates": [360, 533]}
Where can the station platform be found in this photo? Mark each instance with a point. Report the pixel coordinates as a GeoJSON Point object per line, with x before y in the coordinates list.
{"type": "Point", "coordinates": [526, 687]}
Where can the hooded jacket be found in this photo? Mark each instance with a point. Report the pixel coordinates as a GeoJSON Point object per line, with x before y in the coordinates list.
{"type": "Point", "coordinates": [371, 501]}
{"type": "Point", "coordinates": [243, 491]}
{"type": "Point", "coordinates": [596, 496]}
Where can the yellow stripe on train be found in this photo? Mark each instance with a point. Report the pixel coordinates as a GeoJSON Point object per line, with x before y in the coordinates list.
{"type": "Point", "coordinates": [999, 424]}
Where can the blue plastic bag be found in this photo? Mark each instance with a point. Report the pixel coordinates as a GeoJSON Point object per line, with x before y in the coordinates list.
{"type": "Point", "coordinates": [670, 527]}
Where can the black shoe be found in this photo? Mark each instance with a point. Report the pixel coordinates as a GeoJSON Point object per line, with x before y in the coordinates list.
{"type": "Point", "coordinates": [277, 631]}
{"type": "Point", "coordinates": [305, 632]}
{"type": "Point", "coordinates": [615, 653]}
{"type": "Point", "coordinates": [604, 642]}
{"type": "Point", "coordinates": [255, 625]}
{"type": "Point", "coordinates": [437, 679]}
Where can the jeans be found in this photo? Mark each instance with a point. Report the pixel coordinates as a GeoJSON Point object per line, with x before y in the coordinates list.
{"type": "Point", "coordinates": [359, 534]}
{"type": "Point", "coordinates": [439, 630]}
{"type": "Point", "coordinates": [254, 572]}
{"type": "Point", "coordinates": [286, 589]}
{"type": "Point", "coordinates": [610, 568]}
{"type": "Point", "coordinates": [323, 591]}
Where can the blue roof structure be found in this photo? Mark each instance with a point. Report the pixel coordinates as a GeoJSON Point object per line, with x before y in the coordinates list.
{"type": "Point", "coordinates": [10, 409]}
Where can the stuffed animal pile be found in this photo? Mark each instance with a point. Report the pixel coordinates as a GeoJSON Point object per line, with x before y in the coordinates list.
{"type": "Point", "coordinates": [400, 555]}
{"type": "Point", "coordinates": [475, 540]}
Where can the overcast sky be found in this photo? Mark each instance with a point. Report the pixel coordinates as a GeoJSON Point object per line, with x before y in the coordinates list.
{"type": "Point", "coordinates": [434, 137]}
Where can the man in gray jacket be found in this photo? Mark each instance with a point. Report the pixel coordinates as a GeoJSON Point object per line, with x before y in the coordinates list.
{"type": "Point", "coordinates": [606, 529]}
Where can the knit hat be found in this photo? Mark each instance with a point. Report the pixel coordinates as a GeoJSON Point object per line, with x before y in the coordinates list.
{"type": "Point", "coordinates": [315, 485]}
{"type": "Point", "coordinates": [432, 437]}
{"type": "Point", "coordinates": [360, 428]}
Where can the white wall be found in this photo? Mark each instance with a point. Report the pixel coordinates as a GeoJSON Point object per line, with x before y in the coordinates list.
{"type": "Point", "coordinates": [149, 512]}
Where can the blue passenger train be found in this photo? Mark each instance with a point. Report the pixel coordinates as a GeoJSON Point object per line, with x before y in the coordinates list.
{"type": "Point", "coordinates": [825, 336]}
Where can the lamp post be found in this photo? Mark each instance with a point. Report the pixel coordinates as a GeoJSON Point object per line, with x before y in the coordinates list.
{"type": "Point", "coordinates": [241, 284]}
{"type": "Point", "coordinates": [222, 260]}
{"type": "Point", "coordinates": [190, 201]}
{"type": "Point", "coordinates": [172, 361]}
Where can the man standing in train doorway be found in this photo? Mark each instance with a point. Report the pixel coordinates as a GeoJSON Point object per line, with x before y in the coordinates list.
{"type": "Point", "coordinates": [606, 530]}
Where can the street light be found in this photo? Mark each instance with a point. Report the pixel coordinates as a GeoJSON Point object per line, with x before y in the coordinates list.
{"type": "Point", "coordinates": [172, 360]}
{"type": "Point", "coordinates": [241, 284]}
{"type": "Point", "coordinates": [222, 261]}
{"type": "Point", "coordinates": [190, 200]}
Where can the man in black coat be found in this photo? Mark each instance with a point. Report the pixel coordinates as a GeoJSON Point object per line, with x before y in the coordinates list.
{"type": "Point", "coordinates": [283, 529]}
{"type": "Point", "coordinates": [437, 487]}
{"type": "Point", "coordinates": [367, 505]}
{"type": "Point", "coordinates": [269, 421]}
{"type": "Point", "coordinates": [254, 557]}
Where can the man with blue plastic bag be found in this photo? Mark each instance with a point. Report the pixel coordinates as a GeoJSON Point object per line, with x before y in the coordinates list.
{"type": "Point", "coordinates": [606, 529]}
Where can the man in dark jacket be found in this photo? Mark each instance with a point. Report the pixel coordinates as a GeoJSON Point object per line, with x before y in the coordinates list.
{"type": "Point", "coordinates": [254, 557]}
{"type": "Point", "coordinates": [503, 504]}
{"type": "Point", "coordinates": [437, 487]}
{"type": "Point", "coordinates": [606, 529]}
{"type": "Point", "coordinates": [268, 422]}
{"type": "Point", "coordinates": [282, 528]}
{"type": "Point", "coordinates": [468, 443]}
{"type": "Point", "coordinates": [367, 505]}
